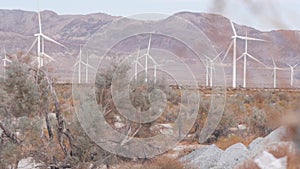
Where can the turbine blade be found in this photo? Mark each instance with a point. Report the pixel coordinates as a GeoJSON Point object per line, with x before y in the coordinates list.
{"type": "Point", "coordinates": [40, 22]}
{"type": "Point", "coordinates": [253, 58]}
{"type": "Point", "coordinates": [51, 40]}
{"type": "Point", "coordinates": [274, 64]}
{"type": "Point", "coordinates": [75, 64]}
{"type": "Point", "coordinates": [87, 65]}
{"type": "Point", "coordinates": [149, 44]}
{"type": "Point", "coordinates": [233, 29]}
{"type": "Point", "coordinates": [280, 68]}
{"type": "Point", "coordinates": [296, 65]}
{"type": "Point", "coordinates": [250, 38]}
{"type": "Point", "coordinates": [51, 58]}
{"type": "Point", "coordinates": [229, 47]}
{"type": "Point", "coordinates": [153, 60]}
{"type": "Point", "coordinates": [34, 42]}
{"type": "Point", "coordinates": [217, 56]}
{"type": "Point", "coordinates": [243, 55]}
{"type": "Point", "coordinates": [246, 42]}
{"type": "Point", "coordinates": [290, 65]}
{"type": "Point", "coordinates": [140, 64]}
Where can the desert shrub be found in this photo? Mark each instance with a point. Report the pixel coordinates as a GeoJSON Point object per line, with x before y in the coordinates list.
{"type": "Point", "coordinates": [258, 120]}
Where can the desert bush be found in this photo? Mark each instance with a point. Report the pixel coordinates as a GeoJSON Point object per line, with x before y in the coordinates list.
{"type": "Point", "coordinates": [258, 121]}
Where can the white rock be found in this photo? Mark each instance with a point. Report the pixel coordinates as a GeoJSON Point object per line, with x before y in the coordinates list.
{"type": "Point", "coordinates": [168, 125]}
{"type": "Point", "coordinates": [117, 118]}
{"type": "Point", "coordinates": [242, 127]}
{"type": "Point", "coordinates": [266, 160]}
{"type": "Point", "coordinates": [166, 131]}
{"type": "Point", "coordinates": [233, 129]}
{"type": "Point", "coordinates": [28, 163]}
{"type": "Point", "coordinates": [206, 157]}
{"type": "Point", "coordinates": [119, 125]}
{"type": "Point", "coordinates": [233, 155]}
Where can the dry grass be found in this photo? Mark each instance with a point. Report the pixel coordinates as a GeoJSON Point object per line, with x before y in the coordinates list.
{"type": "Point", "coordinates": [225, 142]}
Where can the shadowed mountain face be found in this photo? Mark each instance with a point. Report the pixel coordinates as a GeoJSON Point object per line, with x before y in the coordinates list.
{"type": "Point", "coordinates": [18, 27]}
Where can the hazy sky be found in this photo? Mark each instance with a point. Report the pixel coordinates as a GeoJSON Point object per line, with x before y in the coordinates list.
{"type": "Point", "coordinates": [260, 14]}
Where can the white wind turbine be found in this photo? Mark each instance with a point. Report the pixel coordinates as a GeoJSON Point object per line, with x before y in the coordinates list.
{"type": "Point", "coordinates": [275, 68]}
{"type": "Point", "coordinates": [148, 56]}
{"type": "Point", "coordinates": [5, 60]}
{"type": "Point", "coordinates": [79, 63]}
{"type": "Point", "coordinates": [245, 55]}
{"type": "Point", "coordinates": [40, 44]}
{"type": "Point", "coordinates": [233, 42]}
{"type": "Point", "coordinates": [209, 68]}
{"type": "Point", "coordinates": [292, 72]}
{"type": "Point", "coordinates": [136, 64]}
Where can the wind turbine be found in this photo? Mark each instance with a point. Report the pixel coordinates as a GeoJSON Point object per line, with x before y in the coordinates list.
{"type": "Point", "coordinates": [233, 42]}
{"type": "Point", "coordinates": [275, 68]}
{"type": "Point", "coordinates": [136, 64]}
{"type": "Point", "coordinates": [148, 56]}
{"type": "Point", "coordinates": [210, 65]}
{"type": "Point", "coordinates": [5, 60]}
{"type": "Point", "coordinates": [245, 55]}
{"type": "Point", "coordinates": [292, 72]}
{"type": "Point", "coordinates": [79, 62]}
{"type": "Point", "coordinates": [40, 40]}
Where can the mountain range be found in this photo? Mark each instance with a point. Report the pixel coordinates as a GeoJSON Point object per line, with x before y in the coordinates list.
{"type": "Point", "coordinates": [18, 27]}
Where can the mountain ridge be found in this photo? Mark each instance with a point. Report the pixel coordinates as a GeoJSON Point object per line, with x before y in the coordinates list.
{"type": "Point", "coordinates": [18, 27]}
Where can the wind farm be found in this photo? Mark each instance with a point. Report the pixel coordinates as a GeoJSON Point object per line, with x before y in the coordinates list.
{"type": "Point", "coordinates": [250, 45]}
{"type": "Point", "coordinates": [85, 83]}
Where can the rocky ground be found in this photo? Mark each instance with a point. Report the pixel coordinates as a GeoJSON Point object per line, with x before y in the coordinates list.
{"type": "Point", "coordinates": [258, 154]}
{"type": "Point", "coordinates": [238, 154]}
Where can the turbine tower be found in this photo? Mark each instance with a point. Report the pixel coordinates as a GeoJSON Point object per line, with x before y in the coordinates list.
{"type": "Point", "coordinates": [40, 40]}
{"type": "Point", "coordinates": [79, 63]}
{"type": "Point", "coordinates": [245, 55]}
{"type": "Point", "coordinates": [275, 68]}
{"type": "Point", "coordinates": [292, 72]}
{"type": "Point", "coordinates": [136, 64]}
{"type": "Point", "coordinates": [233, 42]}
{"type": "Point", "coordinates": [206, 72]}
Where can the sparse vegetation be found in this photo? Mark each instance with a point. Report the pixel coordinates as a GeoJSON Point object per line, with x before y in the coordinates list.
{"type": "Point", "coordinates": [29, 130]}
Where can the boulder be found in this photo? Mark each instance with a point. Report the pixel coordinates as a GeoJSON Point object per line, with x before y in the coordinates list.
{"type": "Point", "coordinates": [233, 155]}
{"type": "Point", "coordinates": [266, 160]}
{"type": "Point", "coordinates": [206, 157]}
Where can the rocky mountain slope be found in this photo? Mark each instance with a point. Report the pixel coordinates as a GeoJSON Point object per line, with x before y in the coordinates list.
{"type": "Point", "coordinates": [18, 27]}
